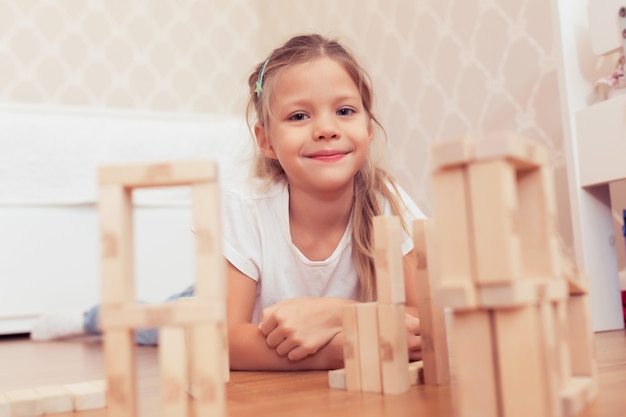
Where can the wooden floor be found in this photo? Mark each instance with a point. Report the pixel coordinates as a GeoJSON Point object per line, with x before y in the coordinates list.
{"type": "Point", "coordinates": [24, 364]}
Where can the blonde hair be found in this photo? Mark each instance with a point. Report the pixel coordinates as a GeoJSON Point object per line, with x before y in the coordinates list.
{"type": "Point", "coordinates": [370, 180]}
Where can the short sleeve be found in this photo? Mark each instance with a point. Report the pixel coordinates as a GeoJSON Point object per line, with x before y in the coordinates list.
{"type": "Point", "coordinates": [242, 240]}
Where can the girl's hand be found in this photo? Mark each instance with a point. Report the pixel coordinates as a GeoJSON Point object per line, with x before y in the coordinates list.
{"type": "Point", "coordinates": [414, 338]}
{"type": "Point", "coordinates": [299, 327]}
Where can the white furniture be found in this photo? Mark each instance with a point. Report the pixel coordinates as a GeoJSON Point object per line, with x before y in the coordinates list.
{"type": "Point", "coordinates": [594, 145]}
{"type": "Point", "coordinates": [49, 236]}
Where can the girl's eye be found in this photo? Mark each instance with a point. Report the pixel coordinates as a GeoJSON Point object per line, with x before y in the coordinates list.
{"type": "Point", "coordinates": [345, 111]}
{"type": "Point", "coordinates": [298, 116]}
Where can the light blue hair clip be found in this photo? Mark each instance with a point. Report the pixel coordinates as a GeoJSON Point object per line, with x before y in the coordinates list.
{"type": "Point", "coordinates": [259, 81]}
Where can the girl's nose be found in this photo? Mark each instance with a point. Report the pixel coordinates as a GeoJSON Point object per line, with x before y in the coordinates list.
{"type": "Point", "coordinates": [326, 129]}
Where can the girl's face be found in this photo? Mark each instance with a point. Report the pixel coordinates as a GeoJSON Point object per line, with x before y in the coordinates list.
{"type": "Point", "coordinates": [318, 129]}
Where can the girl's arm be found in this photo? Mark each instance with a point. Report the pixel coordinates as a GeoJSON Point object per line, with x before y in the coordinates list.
{"type": "Point", "coordinates": [248, 346]}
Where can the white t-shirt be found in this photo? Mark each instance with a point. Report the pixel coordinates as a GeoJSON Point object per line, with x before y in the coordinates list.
{"type": "Point", "coordinates": [257, 242]}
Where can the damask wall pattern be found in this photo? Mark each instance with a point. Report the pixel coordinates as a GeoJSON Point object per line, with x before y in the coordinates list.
{"type": "Point", "coordinates": [441, 68]}
{"type": "Point", "coordinates": [166, 55]}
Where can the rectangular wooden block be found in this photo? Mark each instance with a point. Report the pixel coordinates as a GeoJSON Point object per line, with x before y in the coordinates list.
{"type": "Point", "coordinates": [434, 338]}
{"type": "Point", "coordinates": [173, 368]}
{"type": "Point", "coordinates": [162, 174]}
{"type": "Point", "coordinates": [514, 294]}
{"type": "Point", "coordinates": [580, 337]}
{"type": "Point", "coordinates": [117, 269]}
{"type": "Point", "coordinates": [538, 228]}
{"type": "Point", "coordinates": [451, 153]}
{"type": "Point", "coordinates": [337, 377]}
{"type": "Point", "coordinates": [434, 344]}
{"type": "Point", "coordinates": [393, 353]}
{"type": "Point", "coordinates": [367, 318]}
{"type": "Point", "coordinates": [55, 399]}
{"type": "Point", "coordinates": [577, 282]}
{"type": "Point", "coordinates": [455, 234]}
{"type": "Point", "coordinates": [421, 252]}
{"type": "Point", "coordinates": [496, 222]}
{"type": "Point", "coordinates": [351, 352]}
{"type": "Point", "coordinates": [207, 219]}
{"type": "Point", "coordinates": [24, 403]}
{"type": "Point", "coordinates": [458, 295]}
{"type": "Point", "coordinates": [549, 344]}
{"type": "Point", "coordinates": [521, 358]}
{"type": "Point", "coordinates": [137, 316]}
{"type": "Point", "coordinates": [206, 370]}
{"type": "Point", "coordinates": [577, 394]}
{"type": "Point", "coordinates": [388, 259]}
{"type": "Point", "coordinates": [521, 151]}
{"type": "Point", "coordinates": [120, 365]}
{"type": "Point", "coordinates": [474, 379]}
{"type": "Point", "coordinates": [88, 395]}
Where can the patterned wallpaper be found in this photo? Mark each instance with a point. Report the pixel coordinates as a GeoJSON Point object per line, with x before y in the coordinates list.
{"type": "Point", "coordinates": [169, 55]}
{"type": "Point", "coordinates": [441, 68]}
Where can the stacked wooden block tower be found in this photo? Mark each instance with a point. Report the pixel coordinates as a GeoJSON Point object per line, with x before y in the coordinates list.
{"type": "Point", "coordinates": [375, 347]}
{"type": "Point", "coordinates": [193, 346]}
{"type": "Point", "coordinates": [521, 333]}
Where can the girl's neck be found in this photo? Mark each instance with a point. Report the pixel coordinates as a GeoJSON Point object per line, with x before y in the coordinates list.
{"type": "Point", "coordinates": [318, 222]}
{"type": "Point", "coordinates": [320, 210]}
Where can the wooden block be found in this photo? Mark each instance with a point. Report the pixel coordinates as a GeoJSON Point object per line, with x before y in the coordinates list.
{"type": "Point", "coordinates": [434, 344]}
{"type": "Point", "coordinates": [576, 281]}
{"type": "Point", "coordinates": [580, 337]}
{"type": "Point", "coordinates": [434, 339]}
{"type": "Point", "coordinates": [514, 294]}
{"type": "Point", "coordinates": [337, 378]}
{"type": "Point", "coordinates": [162, 174]}
{"type": "Point", "coordinates": [577, 394]}
{"type": "Point", "coordinates": [421, 252]}
{"type": "Point", "coordinates": [561, 331]}
{"type": "Point", "coordinates": [173, 369]}
{"type": "Point", "coordinates": [5, 407]}
{"type": "Point", "coordinates": [206, 370]}
{"type": "Point", "coordinates": [521, 358]}
{"type": "Point", "coordinates": [474, 378]}
{"type": "Point", "coordinates": [451, 153]}
{"type": "Point", "coordinates": [120, 365]}
{"type": "Point", "coordinates": [175, 313]}
{"type": "Point", "coordinates": [351, 352]}
{"type": "Point", "coordinates": [393, 353]}
{"type": "Point", "coordinates": [416, 373]}
{"type": "Point", "coordinates": [88, 395]}
{"type": "Point", "coordinates": [455, 234]}
{"type": "Point", "coordinates": [387, 243]}
{"type": "Point", "coordinates": [523, 152]}
{"type": "Point", "coordinates": [55, 399]}
{"type": "Point", "coordinates": [24, 403]}
{"type": "Point", "coordinates": [367, 319]}
{"type": "Point", "coordinates": [458, 295]}
{"type": "Point", "coordinates": [116, 245]}
{"type": "Point", "coordinates": [495, 222]}
{"type": "Point", "coordinates": [549, 344]}
{"type": "Point", "coordinates": [210, 268]}
{"type": "Point", "coordinates": [538, 223]}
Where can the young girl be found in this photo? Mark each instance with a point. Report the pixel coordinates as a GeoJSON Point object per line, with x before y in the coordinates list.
{"type": "Point", "coordinates": [298, 239]}
{"type": "Point", "coordinates": [298, 236]}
